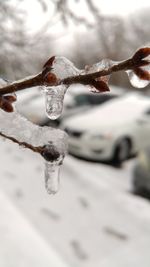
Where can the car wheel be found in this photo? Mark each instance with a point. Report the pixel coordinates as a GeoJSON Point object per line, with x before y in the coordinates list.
{"type": "Point", "coordinates": [122, 151]}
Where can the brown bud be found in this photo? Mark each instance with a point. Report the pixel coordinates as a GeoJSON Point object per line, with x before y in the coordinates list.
{"type": "Point", "coordinates": [100, 86]}
{"type": "Point", "coordinates": [50, 79]}
{"type": "Point", "coordinates": [5, 105]}
{"type": "Point", "coordinates": [142, 74]}
{"type": "Point", "coordinates": [50, 153]}
{"type": "Point", "coordinates": [10, 98]}
{"type": "Point", "coordinates": [104, 79]}
{"type": "Point", "coordinates": [49, 62]}
{"type": "Point", "coordinates": [141, 53]}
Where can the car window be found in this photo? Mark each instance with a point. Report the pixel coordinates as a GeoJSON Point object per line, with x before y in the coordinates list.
{"type": "Point", "coordinates": [99, 99]}
{"type": "Point", "coordinates": [92, 99]}
{"type": "Point", "coordinates": [81, 99]}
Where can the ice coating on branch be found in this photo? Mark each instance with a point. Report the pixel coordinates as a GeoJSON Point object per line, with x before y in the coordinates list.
{"type": "Point", "coordinates": [54, 97]}
{"type": "Point", "coordinates": [59, 68]}
{"type": "Point", "coordinates": [3, 82]}
{"type": "Point", "coordinates": [104, 64]}
{"type": "Point", "coordinates": [13, 124]}
{"type": "Point", "coordinates": [54, 140]}
{"type": "Point", "coordinates": [63, 68]}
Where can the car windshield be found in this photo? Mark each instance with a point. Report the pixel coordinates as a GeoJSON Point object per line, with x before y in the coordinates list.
{"type": "Point", "coordinates": [93, 99]}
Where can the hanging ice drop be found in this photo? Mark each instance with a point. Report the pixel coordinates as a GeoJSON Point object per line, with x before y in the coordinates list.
{"type": "Point", "coordinates": [54, 97]}
{"type": "Point", "coordinates": [52, 172]}
{"type": "Point", "coordinates": [140, 77]}
{"type": "Point", "coordinates": [136, 81]}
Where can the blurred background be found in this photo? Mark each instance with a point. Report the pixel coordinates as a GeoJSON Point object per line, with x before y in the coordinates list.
{"type": "Point", "coordinates": [101, 215]}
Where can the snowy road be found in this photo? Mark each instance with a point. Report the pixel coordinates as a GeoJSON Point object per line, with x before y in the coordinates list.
{"type": "Point", "coordinates": [92, 221]}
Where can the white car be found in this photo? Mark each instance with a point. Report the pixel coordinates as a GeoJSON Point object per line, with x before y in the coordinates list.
{"type": "Point", "coordinates": [31, 102]}
{"type": "Point", "coordinates": [113, 131]}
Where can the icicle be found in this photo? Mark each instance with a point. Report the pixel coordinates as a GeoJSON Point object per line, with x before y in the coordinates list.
{"type": "Point", "coordinates": [136, 81]}
{"type": "Point", "coordinates": [53, 161]}
{"type": "Point", "coordinates": [52, 168]}
{"type": "Point", "coordinates": [54, 97]}
{"type": "Point", "coordinates": [62, 68]}
{"type": "Point", "coordinates": [52, 176]}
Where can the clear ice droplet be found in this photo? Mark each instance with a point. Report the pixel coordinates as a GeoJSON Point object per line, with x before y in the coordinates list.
{"type": "Point", "coordinates": [136, 81]}
{"type": "Point", "coordinates": [52, 176]}
{"type": "Point", "coordinates": [54, 97]}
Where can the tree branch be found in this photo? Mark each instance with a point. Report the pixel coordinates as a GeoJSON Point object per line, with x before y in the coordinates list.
{"type": "Point", "coordinates": [48, 152]}
{"type": "Point", "coordinates": [48, 77]}
{"type": "Point", "coordinates": [86, 78]}
{"type": "Point", "coordinates": [38, 149]}
{"type": "Point", "coordinates": [41, 79]}
{"type": "Point", "coordinates": [22, 84]}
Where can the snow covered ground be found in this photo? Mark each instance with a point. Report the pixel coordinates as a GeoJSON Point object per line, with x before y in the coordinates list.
{"type": "Point", "coordinates": [93, 220]}
{"type": "Point", "coordinates": [20, 243]}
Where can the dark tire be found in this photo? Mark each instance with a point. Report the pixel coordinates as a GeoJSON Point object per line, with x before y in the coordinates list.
{"type": "Point", "coordinates": [140, 180]}
{"type": "Point", "coordinates": [122, 151]}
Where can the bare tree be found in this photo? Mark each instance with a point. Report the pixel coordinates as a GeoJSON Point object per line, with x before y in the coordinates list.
{"type": "Point", "coordinates": [18, 45]}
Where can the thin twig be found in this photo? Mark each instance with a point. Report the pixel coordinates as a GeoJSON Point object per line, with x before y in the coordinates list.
{"type": "Point", "coordinates": [22, 84]}
{"type": "Point", "coordinates": [37, 149]}
{"type": "Point", "coordinates": [48, 152]}
{"type": "Point", "coordinates": [86, 78]}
